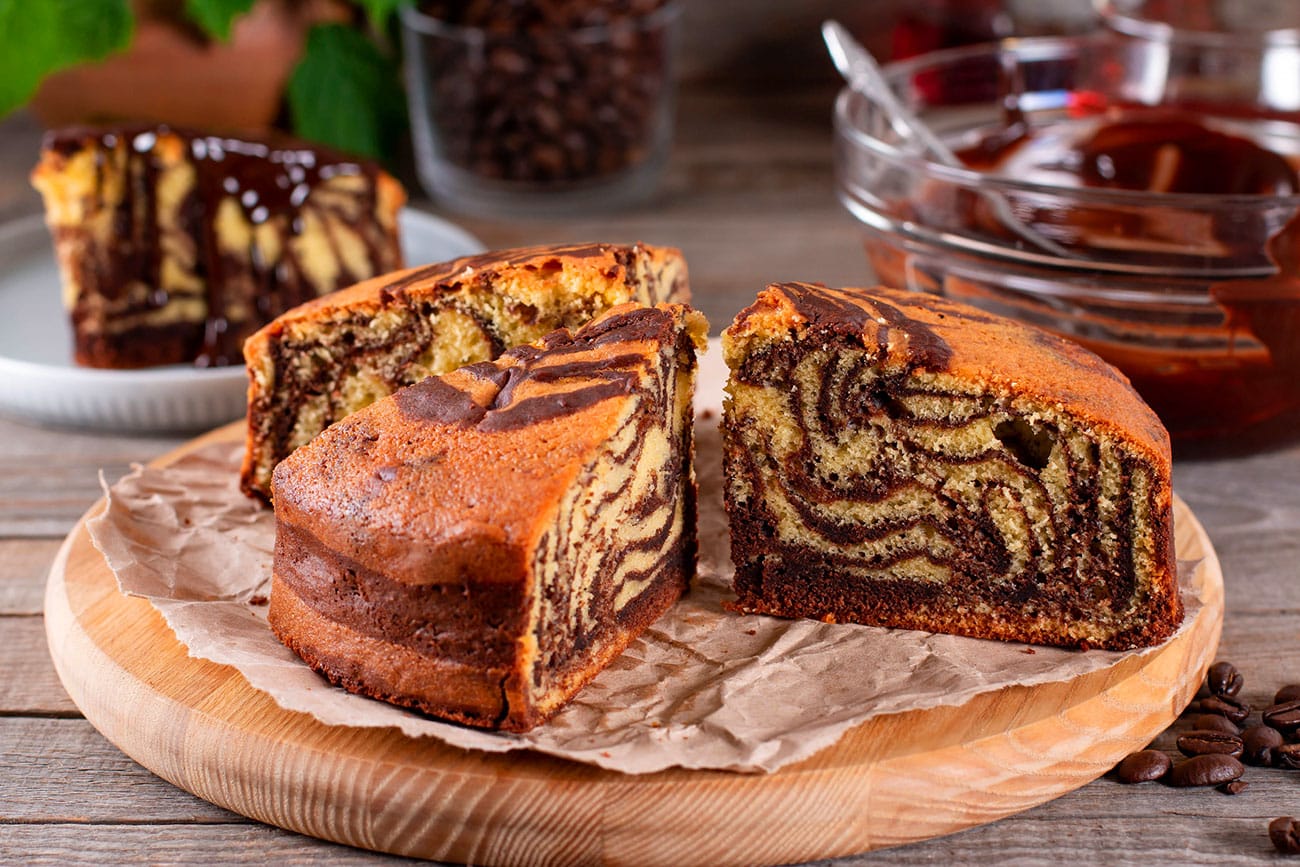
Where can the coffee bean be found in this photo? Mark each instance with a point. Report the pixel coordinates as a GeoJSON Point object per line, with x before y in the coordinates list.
{"type": "Point", "coordinates": [1204, 743]}
{"type": "Point", "coordinates": [535, 99]}
{"type": "Point", "coordinates": [1284, 717]}
{"type": "Point", "coordinates": [1143, 766]}
{"type": "Point", "coordinates": [1213, 722]}
{"type": "Point", "coordinates": [1224, 679]}
{"type": "Point", "coordinates": [1285, 834]}
{"type": "Point", "coordinates": [1210, 770]}
{"type": "Point", "coordinates": [1236, 787]}
{"type": "Point", "coordinates": [1224, 705]}
{"type": "Point", "coordinates": [1287, 757]}
{"type": "Point", "coordinates": [1290, 692]}
{"type": "Point", "coordinates": [1258, 743]}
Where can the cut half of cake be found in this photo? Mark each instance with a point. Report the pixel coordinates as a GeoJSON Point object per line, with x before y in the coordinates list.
{"type": "Point", "coordinates": [897, 459]}
{"type": "Point", "coordinates": [176, 245]}
{"type": "Point", "coordinates": [479, 545]}
{"type": "Point", "coordinates": [331, 357]}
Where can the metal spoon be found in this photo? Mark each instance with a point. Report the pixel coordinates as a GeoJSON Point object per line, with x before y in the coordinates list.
{"type": "Point", "coordinates": [864, 75]}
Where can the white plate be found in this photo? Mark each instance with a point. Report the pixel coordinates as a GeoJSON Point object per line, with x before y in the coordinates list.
{"type": "Point", "coordinates": [39, 381]}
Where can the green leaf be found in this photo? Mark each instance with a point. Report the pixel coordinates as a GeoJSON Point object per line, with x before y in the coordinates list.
{"type": "Point", "coordinates": [216, 17]}
{"type": "Point", "coordinates": [346, 93]}
{"type": "Point", "coordinates": [379, 12]}
{"type": "Point", "coordinates": [38, 38]}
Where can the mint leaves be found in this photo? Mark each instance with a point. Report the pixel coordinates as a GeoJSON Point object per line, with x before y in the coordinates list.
{"type": "Point", "coordinates": [37, 38]}
{"type": "Point", "coordinates": [216, 17]}
{"type": "Point", "coordinates": [346, 93]}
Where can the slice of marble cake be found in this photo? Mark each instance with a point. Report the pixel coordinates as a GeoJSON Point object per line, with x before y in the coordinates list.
{"type": "Point", "coordinates": [479, 545]}
{"type": "Point", "coordinates": [901, 460]}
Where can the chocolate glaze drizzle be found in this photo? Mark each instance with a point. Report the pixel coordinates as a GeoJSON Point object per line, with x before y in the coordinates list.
{"type": "Point", "coordinates": [599, 377]}
{"type": "Point", "coordinates": [271, 181]}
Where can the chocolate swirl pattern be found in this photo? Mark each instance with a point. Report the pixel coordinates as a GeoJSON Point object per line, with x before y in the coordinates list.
{"type": "Point", "coordinates": [479, 545]}
{"type": "Point", "coordinates": [906, 462]}
{"type": "Point", "coordinates": [175, 245]}
{"type": "Point", "coordinates": [327, 359]}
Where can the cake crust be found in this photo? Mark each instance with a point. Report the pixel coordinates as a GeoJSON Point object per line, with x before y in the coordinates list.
{"type": "Point", "coordinates": [479, 545]}
{"type": "Point", "coordinates": [331, 356]}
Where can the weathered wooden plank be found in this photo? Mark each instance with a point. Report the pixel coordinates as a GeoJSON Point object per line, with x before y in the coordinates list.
{"type": "Point", "coordinates": [24, 563]}
{"type": "Point", "coordinates": [48, 478]}
{"type": "Point", "coordinates": [173, 844]}
{"type": "Point", "coordinates": [29, 684]}
{"type": "Point", "coordinates": [62, 770]}
{"type": "Point", "coordinates": [1124, 841]}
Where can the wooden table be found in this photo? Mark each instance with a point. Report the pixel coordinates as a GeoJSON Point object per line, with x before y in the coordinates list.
{"type": "Point", "coordinates": [749, 198]}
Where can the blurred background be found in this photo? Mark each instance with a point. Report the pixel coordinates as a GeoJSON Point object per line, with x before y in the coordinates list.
{"type": "Point", "coordinates": [240, 65]}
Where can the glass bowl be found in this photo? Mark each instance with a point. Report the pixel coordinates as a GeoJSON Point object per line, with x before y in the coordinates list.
{"type": "Point", "coordinates": [1194, 295]}
{"type": "Point", "coordinates": [515, 117]}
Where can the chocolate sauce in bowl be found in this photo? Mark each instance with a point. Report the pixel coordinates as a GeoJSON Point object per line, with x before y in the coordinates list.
{"type": "Point", "coordinates": [1215, 383]}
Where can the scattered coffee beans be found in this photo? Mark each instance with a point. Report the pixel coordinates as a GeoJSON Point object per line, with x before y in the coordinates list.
{"type": "Point", "coordinates": [1215, 743]}
{"type": "Point", "coordinates": [1284, 717]}
{"type": "Point", "coordinates": [1211, 770]}
{"type": "Point", "coordinates": [1223, 679]}
{"type": "Point", "coordinates": [1258, 743]}
{"type": "Point", "coordinates": [1223, 705]}
{"type": "Point", "coordinates": [1205, 743]}
{"type": "Point", "coordinates": [1287, 757]}
{"type": "Point", "coordinates": [1285, 834]}
{"type": "Point", "coordinates": [1213, 722]}
{"type": "Point", "coordinates": [1143, 766]}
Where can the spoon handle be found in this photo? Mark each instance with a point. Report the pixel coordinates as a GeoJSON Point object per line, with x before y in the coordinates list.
{"type": "Point", "coordinates": [860, 69]}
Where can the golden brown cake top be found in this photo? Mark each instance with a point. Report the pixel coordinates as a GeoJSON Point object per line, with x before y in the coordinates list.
{"type": "Point", "coordinates": [470, 464]}
{"type": "Point", "coordinates": [535, 273]}
{"type": "Point", "coordinates": [918, 331]}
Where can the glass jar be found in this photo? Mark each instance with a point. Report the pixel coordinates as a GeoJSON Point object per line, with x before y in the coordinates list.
{"type": "Point", "coordinates": [516, 115]}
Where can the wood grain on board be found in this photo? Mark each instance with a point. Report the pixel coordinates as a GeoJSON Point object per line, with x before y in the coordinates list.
{"type": "Point", "coordinates": [895, 779]}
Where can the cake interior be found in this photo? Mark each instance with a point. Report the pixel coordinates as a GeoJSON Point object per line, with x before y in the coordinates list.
{"type": "Point", "coordinates": [319, 369]}
{"type": "Point", "coordinates": [621, 548]}
{"type": "Point", "coordinates": [914, 498]}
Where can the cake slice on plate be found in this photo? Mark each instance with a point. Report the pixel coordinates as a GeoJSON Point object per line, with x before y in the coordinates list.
{"type": "Point", "coordinates": [897, 459]}
{"type": "Point", "coordinates": [176, 245]}
{"type": "Point", "coordinates": [318, 363]}
{"type": "Point", "coordinates": [479, 545]}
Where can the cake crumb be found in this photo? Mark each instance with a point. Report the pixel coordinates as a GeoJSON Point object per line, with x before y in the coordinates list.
{"type": "Point", "coordinates": [1029, 650]}
{"type": "Point", "coordinates": [258, 600]}
{"type": "Point", "coordinates": [751, 632]}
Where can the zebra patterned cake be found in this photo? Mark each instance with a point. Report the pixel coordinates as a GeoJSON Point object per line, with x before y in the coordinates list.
{"type": "Point", "coordinates": [898, 459]}
{"type": "Point", "coordinates": [479, 545]}
{"type": "Point", "coordinates": [321, 361]}
{"type": "Point", "coordinates": [175, 245]}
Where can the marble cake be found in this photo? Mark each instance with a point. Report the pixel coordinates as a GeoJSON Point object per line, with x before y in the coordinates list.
{"type": "Point", "coordinates": [333, 356]}
{"type": "Point", "coordinates": [174, 246]}
{"type": "Point", "coordinates": [901, 460]}
{"type": "Point", "coordinates": [479, 545]}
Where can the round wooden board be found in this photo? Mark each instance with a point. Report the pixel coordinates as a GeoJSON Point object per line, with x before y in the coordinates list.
{"type": "Point", "coordinates": [893, 780]}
